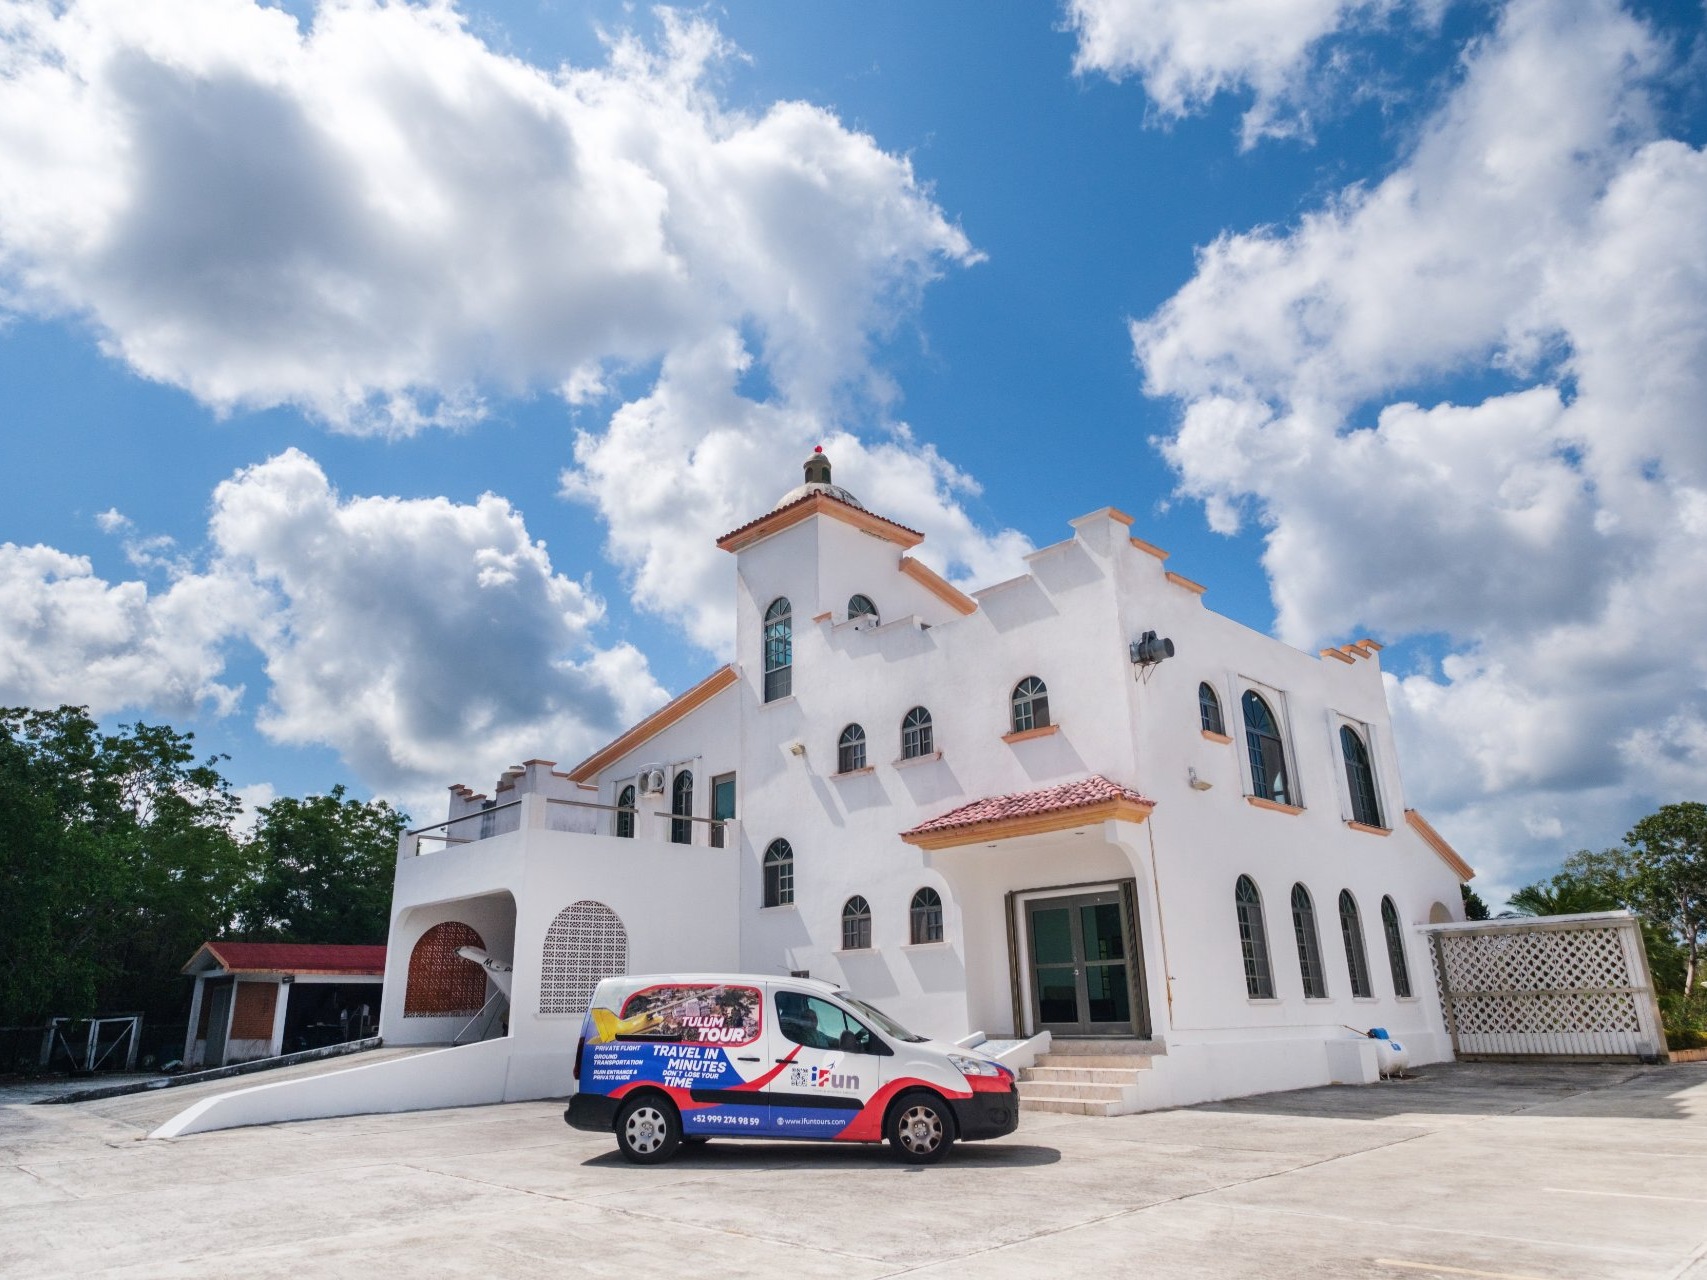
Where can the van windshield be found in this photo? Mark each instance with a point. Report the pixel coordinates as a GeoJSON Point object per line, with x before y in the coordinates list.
{"type": "Point", "coordinates": [885, 1023]}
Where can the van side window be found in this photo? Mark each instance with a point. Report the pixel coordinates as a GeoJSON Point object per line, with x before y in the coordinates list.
{"type": "Point", "coordinates": [818, 1024]}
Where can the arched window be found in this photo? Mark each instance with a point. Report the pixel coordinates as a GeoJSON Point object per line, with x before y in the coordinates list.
{"type": "Point", "coordinates": [779, 874]}
{"type": "Point", "coordinates": [1253, 940]}
{"type": "Point", "coordinates": [441, 983]}
{"type": "Point", "coordinates": [1395, 948]}
{"type": "Point", "coordinates": [1268, 757]}
{"type": "Point", "coordinates": [850, 749]}
{"type": "Point", "coordinates": [1309, 948]}
{"type": "Point", "coordinates": [625, 813]}
{"type": "Point", "coordinates": [1031, 705]}
{"type": "Point", "coordinates": [916, 734]}
{"type": "Point", "coordinates": [926, 916]}
{"type": "Point", "coordinates": [861, 607]}
{"type": "Point", "coordinates": [1209, 710]}
{"type": "Point", "coordinates": [779, 650]}
{"type": "Point", "coordinates": [681, 806]}
{"type": "Point", "coordinates": [1360, 778]}
{"type": "Point", "coordinates": [856, 924]}
{"type": "Point", "coordinates": [584, 945]}
{"type": "Point", "coordinates": [1351, 930]}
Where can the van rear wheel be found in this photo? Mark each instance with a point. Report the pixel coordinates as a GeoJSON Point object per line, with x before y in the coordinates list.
{"type": "Point", "coordinates": [648, 1129]}
{"type": "Point", "coordinates": [920, 1128]}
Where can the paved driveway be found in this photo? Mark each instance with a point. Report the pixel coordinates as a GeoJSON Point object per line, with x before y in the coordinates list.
{"type": "Point", "coordinates": [1471, 1170]}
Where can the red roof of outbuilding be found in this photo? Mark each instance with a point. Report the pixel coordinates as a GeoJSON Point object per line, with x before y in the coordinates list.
{"type": "Point", "coordinates": [1012, 814]}
{"type": "Point", "coordinates": [294, 957]}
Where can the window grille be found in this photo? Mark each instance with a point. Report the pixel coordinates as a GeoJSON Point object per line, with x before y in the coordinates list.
{"type": "Point", "coordinates": [441, 983]}
{"type": "Point", "coordinates": [625, 813]}
{"type": "Point", "coordinates": [850, 749]}
{"type": "Point", "coordinates": [1360, 778]}
{"type": "Point", "coordinates": [681, 805]}
{"type": "Point", "coordinates": [1209, 710]}
{"type": "Point", "coordinates": [856, 924]}
{"type": "Point", "coordinates": [1253, 940]}
{"type": "Point", "coordinates": [1395, 948]}
{"type": "Point", "coordinates": [861, 607]}
{"type": "Point", "coordinates": [1031, 705]}
{"type": "Point", "coordinates": [1351, 930]}
{"type": "Point", "coordinates": [926, 916]}
{"type": "Point", "coordinates": [779, 650]}
{"type": "Point", "coordinates": [1268, 757]}
{"type": "Point", "coordinates": [916, 734]}
{"type": "Point", "coordinates": [584, 945]}
{"type": "Point", "coordinates": [1309, 948]}
{"type": "Point", "coordinates": [779, 874]}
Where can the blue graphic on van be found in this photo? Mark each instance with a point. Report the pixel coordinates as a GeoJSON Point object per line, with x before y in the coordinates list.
{"type": "Point", "coordinates": [678, 1066]}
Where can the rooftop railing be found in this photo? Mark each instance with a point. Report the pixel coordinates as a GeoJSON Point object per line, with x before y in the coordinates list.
{"type": "Point", "coordinates": [576, 816]}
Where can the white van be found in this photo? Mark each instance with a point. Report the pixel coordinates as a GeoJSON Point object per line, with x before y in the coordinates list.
{"type": "Point", "coordinates": [670, 1058]}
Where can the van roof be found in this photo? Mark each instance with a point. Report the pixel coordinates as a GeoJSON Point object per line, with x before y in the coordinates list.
{"type": "Point", "coordinates": [665, 979]}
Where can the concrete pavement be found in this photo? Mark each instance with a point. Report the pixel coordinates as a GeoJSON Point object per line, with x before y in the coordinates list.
{"type": "Point", "coordinates": [1470, 1170]}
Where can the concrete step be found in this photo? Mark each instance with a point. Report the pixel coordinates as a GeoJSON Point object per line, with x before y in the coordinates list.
{"type": "Point", "coordinates": [1096, 1061]}
{"type": "Point", "coordinates": [1106, 1047]}
{"type": "Point", "coordinates": [1070, 1106]}
{"type": "Point", "coordinates": [1075, 1074]}
{"type": "Point", "coordinates": [1051, 1089]}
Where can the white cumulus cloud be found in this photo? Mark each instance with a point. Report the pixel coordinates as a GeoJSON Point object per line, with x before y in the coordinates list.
{"type": "Point", "coordinates": [1545, 233]}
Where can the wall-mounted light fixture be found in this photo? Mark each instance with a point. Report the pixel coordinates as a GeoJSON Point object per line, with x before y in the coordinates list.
{"type": "Point", "coordinates": [1147, 650]}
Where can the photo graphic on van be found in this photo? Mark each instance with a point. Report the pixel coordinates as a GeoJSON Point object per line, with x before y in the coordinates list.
{"type": "Point", "coordinates": [701, 1013]}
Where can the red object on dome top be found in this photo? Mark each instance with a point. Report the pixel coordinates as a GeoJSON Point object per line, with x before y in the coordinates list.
{"type": "Point", "coordinates": [817, 448]}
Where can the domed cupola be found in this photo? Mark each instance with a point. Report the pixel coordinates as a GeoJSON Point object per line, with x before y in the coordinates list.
{"type": "Point", "coordinates": [818, 481]}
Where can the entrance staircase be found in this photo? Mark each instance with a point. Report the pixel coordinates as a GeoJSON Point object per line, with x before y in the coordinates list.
{"type": "Point", "coordinates": [1088, 1077]}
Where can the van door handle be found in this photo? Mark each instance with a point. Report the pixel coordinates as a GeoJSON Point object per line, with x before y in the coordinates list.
{"type": "Point", "coordinates": [782, 1059]}
{"type": "Point", "coordinates": [752, 1059]}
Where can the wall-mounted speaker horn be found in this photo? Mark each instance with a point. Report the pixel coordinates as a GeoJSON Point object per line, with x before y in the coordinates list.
{"type": "Point", "coordinates": [1148, 650]}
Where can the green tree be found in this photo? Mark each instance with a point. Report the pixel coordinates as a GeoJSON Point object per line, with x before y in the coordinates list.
{"type": "Point", "coordinates": [324, 870]}
{"type": "Point", "coordinates": [118, 860]}
{"type": "Point", "coordinates": [1474, 907]}
{"type": "Point", "coordinates": [1575, 890]}
{"type": "Point", "coordinates": [1668, 861]}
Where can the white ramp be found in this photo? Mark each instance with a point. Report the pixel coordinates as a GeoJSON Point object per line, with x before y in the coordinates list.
{"type": "Point", "coordinates": [465, 1076]}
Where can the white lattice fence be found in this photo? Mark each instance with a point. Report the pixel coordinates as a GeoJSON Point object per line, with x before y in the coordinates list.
{"type": "Point", "coordinates": [1552, 986]}
{"type": "Point", "coordinates": [585, 944]}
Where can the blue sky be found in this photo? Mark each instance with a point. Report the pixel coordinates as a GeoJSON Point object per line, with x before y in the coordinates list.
{"type": "Point", "coordinates": [367, 369]}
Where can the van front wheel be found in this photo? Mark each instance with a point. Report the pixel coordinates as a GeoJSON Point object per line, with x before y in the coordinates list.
{"type": "Point", "coordinates": [920, 1128]}
{"type": "Point", "coordinates": [648, 1129]}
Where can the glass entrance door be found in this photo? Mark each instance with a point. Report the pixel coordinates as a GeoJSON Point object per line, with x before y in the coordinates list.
{"type": "Point", "coordinates": [1079, 957]}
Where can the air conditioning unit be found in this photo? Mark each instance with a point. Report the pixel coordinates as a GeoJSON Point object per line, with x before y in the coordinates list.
{"type": "Point", "coordinates": [652, 781]}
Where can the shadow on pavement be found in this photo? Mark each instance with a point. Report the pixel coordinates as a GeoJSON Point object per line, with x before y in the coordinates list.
{"type": "Point", "coordinates": [739, 1154]}
{"type": "Point", "coordinates": [1612, 1090]}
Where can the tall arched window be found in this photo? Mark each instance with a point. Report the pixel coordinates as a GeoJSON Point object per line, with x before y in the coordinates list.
{"type": "Point", "coordinates": [1309, 948]}
{"type": "Point", "coordinates": [1360, 778]}
{"type": "Point", "coordinates": [1356, 960]}
{"type": "Point", "coordinates": [681, 806]}
{"type": "Point", "coordinates": [856, 924]}
{"type": "Point", "coordinates": [916, 734]}
{"type": "Point", "coordinates": [1268, 758]}
{"type": "Point", "coordinates": [1209, 710]}
{"type": "Point", "coordinates": [1031, 705]}
{"type": "Point", "coordinates": [779, 649]}
{"type": "Point", "coordinates": [850, 749]}
{"type": "Point", "coordinates": [861, 607]}
{"type": "Point", "coordinates": [1395, 948]}
{"type": "Point", "coordinates": [779, 874]}
{"type": "Point", "coordinates": [926, 915]}
{"type": "Point", "coordinates": [1253, 940]}
{"type": "Point", "coordinates": [625, 813]}
{"type": "Point", "coordinates": [584, 945]}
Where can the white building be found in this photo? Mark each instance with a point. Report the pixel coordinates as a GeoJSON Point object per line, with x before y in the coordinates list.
{"type": "Point", "coordinates": [1002, 813]}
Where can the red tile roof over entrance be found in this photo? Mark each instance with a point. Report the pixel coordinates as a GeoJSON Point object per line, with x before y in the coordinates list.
{"type": "Point", "coordinates": [1083, 794]}
{"type": "Point", "coordinates": [296, 957]}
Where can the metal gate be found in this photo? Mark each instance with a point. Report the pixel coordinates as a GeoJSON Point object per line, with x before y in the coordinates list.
{"type": "Point", "coordinates": [1548, 986]}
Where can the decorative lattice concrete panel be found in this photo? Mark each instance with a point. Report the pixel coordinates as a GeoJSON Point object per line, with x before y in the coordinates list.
{"type": "Point", "coordinates": [1560, 986]}
{"type": "Point", "coordinates": [585, 944]}
{"type": "Point", "coordinates": [441, 983]}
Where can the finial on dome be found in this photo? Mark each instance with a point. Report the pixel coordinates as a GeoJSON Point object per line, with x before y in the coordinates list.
{"type": "Point", "coordinates": [817, 470]}
{"type": "Point", "coordinates": [817, 467]}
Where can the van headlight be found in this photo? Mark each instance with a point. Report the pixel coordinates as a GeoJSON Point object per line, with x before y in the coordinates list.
{"type": "Point", "coordinates": [975, 1066]}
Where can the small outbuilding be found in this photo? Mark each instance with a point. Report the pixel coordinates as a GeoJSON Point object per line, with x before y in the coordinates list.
{"type": "Point", "coordinates": [260, 999]}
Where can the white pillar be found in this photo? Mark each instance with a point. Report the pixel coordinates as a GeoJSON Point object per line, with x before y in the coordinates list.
{"type": "Point", "coordinates": [285, 988]}
{"type": "Point", "coordinates": [195, 1017]}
